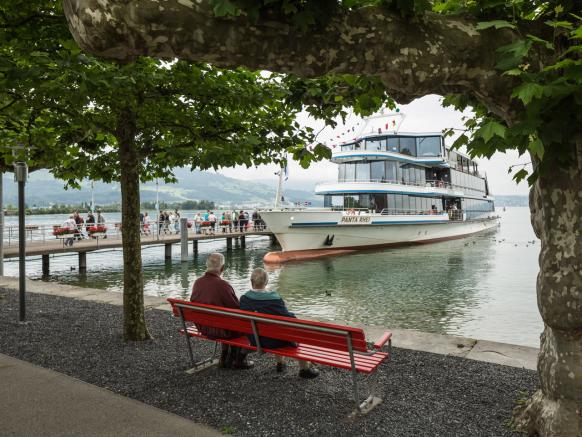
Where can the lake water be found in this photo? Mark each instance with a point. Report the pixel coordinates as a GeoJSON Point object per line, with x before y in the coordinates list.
{"type": "Point", "coordinates": [481, 287]}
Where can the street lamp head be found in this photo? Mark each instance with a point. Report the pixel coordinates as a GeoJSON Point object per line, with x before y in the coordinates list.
{"type": "Point", "coordinates": [20, 172]}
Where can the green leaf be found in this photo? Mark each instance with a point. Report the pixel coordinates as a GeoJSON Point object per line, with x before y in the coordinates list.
{"type": "Point", "coordinates": [537, 148]}
{"type": "Point", "coordinates": [491, 129]}
{"type": "Point", "coordinates": [555, 24]}
{"type": "Point", "coordinates": [548, 45]}
{"type": "Point", "coordinates": [520, 175]}
{"type": "Point", "coordinates": [497, 24]}
{"type": "Point", "coordinates": [513, 54]}
{"type": "Point", "coordinates": [223, 8]}
{"type": "Point", "coordinates": [526, 92]}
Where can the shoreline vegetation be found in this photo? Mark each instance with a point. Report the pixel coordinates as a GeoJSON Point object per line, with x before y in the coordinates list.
{"type": "Point", "coordinates": [11, 210]}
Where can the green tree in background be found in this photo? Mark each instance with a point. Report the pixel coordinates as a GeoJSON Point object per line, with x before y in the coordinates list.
{"type": "Point", "coordinates": [83, 117]}
{"type": "Point", "coordinates": [516, 63]}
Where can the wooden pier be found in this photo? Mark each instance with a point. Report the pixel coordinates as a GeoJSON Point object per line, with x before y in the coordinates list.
{"type": "Point", "coordinates": [81, 247]}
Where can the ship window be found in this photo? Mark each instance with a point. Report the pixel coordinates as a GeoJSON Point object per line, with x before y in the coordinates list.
{"type": "Point", "coordinates": [358, 145]}
{"type": "Point", "coordinates": [405, 174]}
{"type": "Point", "coordinates": [341, 172]}
{"type": "Point", "coordinates": [365, 201]}
{"type": "Point", "coordinates": [376, 144]}
{"type": "Point", "coordinates": [392, 144]}
{"type": "Point", "coordinates": [408, 146]}
{"type": "Point", "coordinates": [350, 201]}
{"type": "Point", "coordinates": [391, 171]}
{"type": "Point", "coordinates": [379, 202]}
{"type": "Point", "coordinates": [398, 201]}
{"type": "Point", "coordinates": [363, 171]}
{"type": "Point", "coordinates": [347, 147]}
{"type": "Point", "coordinates": [350, 172]}
{"type": "Point", "coordinates": [377, 171]}
{"type": "Point", "coordinates": [428, 146]}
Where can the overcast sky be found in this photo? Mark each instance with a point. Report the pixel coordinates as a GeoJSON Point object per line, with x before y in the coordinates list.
{"type": "Point", "coordinates": [422, 115]}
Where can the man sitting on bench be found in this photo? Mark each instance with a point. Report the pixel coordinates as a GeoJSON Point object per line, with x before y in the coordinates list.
{"type": "Point", "coordinates": [211, 289]}
{"type": "Point", "coordinates": [269, 302]}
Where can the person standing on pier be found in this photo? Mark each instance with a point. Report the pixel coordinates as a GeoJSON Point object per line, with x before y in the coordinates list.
{"type": "Point", "coordinates": [212, 220]}
{"type": "Point", "coordinates": [234, 221]}
{"type": "Point", "coordinates": [241, 221]}
{"type": "Point", "coordinates": [101, 220]}
{"type": "Point", "coordinates": [198, 222]}
{"type": "Point", "coordinates": [211, 289]}
{"type": "Point", "coordinates": [176, 220]}
{"type": "Point", "coordinates": [90, 220]}
{"type": "Point", "coordinates": [78, 225]}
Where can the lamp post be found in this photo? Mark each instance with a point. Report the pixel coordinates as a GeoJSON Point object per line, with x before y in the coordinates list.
{"type": "Point", "coordinates": [20, 176]}
{"type": "Point", "coordinates": [92, 199]}
{"type": "Point", "coordinates": [158, 207]}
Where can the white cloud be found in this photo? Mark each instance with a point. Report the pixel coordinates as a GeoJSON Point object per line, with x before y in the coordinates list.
{"type": "Point", "coordinates": [422, 115]}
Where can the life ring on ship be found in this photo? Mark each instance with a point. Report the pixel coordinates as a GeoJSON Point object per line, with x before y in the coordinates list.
{"type": "Point", "coordinates": [351, 212]}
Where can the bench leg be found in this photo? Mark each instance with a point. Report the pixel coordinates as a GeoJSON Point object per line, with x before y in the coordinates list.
{"type": "Point", "coordinates": [187, 337]}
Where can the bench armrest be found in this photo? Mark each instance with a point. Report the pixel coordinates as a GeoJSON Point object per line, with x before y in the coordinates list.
{"type": "Point", "coordinates": [382, 341]}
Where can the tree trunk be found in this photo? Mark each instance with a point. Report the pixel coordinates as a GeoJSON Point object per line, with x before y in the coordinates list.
{"type": "Point", "coordinates": [556, 212]}
{"type": "Point", "coordinates": [134, 325]}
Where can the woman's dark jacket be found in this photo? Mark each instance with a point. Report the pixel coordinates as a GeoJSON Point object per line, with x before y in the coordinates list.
{"type": "Point", "coordinates": [267, 302]}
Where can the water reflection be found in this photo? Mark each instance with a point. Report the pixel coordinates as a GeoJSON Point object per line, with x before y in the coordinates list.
{"type": "Point", "coordinates": [426, 287]}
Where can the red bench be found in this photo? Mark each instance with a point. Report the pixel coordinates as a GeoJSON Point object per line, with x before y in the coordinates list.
{"type": "Point", "coordinates": [323, 343]}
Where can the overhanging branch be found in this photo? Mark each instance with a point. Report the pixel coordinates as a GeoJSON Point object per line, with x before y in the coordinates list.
{"type": "Point", "coordinates": [434, 54]}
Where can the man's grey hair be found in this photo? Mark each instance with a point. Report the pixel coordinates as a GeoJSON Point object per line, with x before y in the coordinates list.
{"type": "Point", "coordinates": [259, 278]}
{"type": "Point", "coordinates": [215, 262]}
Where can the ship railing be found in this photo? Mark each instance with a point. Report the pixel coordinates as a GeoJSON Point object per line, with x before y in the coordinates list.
{"type": "Point", "coordinates": [456, 215]}
{"type": "Point", "coordinates": [36, 234]}
{"type": "Point", "coordinates": [427, 184]}
{"type": "Point", "coordinates": [394, 211]}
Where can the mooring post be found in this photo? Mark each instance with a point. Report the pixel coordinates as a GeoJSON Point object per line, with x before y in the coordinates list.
{"type": "Point", "coordinates": [45, 264]}
{"type": "Point", "coordinates": [228, 243]}
{"type": "Point", "coordinates": [168, 251]}
{"type": "Point", "coordinates": [82, 262]}
{"type": "Point", "coordinates": [183, 239]}
{"type": "Point", "coordinates": [243, 241]}
{"type": "Point", "coordinates": [195, 246]}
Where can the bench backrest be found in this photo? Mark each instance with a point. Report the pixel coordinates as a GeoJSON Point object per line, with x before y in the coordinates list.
{"type": "Point", "coordinates": [327, 335]}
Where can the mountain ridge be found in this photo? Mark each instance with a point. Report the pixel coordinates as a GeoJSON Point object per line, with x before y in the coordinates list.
{"type": "Point", "coordinates": [42, 190]}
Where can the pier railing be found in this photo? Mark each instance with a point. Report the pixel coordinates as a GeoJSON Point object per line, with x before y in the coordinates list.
{"type": "Point", "coordinates": [46, 234]}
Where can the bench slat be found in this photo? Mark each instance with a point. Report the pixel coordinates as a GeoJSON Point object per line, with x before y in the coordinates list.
{"type": "Point", "coordinates": [320, 355]}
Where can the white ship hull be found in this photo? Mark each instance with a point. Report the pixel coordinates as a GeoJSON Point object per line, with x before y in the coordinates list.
{"type": "Point", "coordinates": [317, 229]}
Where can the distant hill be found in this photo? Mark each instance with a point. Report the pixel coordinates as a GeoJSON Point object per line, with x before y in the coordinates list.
{"type": "Point", "coordinates": [43, 190]}
{"type": "Point", "coordinates": [511, 200]}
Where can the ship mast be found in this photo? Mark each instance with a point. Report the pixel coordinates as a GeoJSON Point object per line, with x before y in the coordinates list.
{"type": "Point", "coordinates": [279, 195]}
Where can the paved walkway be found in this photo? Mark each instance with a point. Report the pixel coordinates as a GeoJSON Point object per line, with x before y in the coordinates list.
{"type": "Point", "coordinates": [470, 348]}
{"type": "Point", "coordinates": [39, 402]}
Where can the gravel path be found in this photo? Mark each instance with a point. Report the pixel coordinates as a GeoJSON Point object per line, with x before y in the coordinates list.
{"type": "Point", "coordinates": [424, 394]}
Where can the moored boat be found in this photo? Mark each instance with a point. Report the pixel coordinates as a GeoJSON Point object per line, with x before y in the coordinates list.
{"type": "Point", "coordinates": [392, 189]}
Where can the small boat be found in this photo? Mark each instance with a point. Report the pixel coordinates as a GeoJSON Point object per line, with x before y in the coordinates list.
{"type": "Point", "coordinates": [393, 189]}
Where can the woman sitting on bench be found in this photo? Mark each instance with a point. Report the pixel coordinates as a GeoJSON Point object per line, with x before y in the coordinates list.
{"type": "Point", "coordinates": [260, 300]}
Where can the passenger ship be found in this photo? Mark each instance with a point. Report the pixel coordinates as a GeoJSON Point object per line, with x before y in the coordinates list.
{"type": "Point", "coordinates": [392, 189]}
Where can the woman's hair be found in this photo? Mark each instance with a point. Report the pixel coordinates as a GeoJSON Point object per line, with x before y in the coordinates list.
{"type": "Point", "coordinates": [259, 278]}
